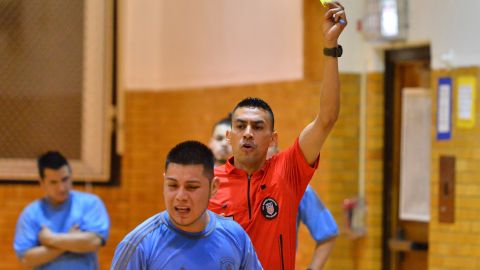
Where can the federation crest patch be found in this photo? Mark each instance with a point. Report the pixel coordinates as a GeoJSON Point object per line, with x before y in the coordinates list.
{"type": "Point", "coordinates": [269, 208]}
{"type": "Point", "coordinates": [227, 263]}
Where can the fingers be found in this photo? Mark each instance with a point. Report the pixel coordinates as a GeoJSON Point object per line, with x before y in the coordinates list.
{"type": "Point", "coordinates": [336, 13]}
{"type": "Point", "coordinates": [74, 228]}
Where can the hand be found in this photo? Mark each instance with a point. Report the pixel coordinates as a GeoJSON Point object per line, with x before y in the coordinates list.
{"type": "Point", "coordinates": [334, 22]}
{"type": "Point", "coordinates": [45, 236]}
{"type": "Point", "coordinates": [74, 229]}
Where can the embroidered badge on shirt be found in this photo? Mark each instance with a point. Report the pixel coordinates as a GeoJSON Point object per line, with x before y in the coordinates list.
{"type": "Point", "coordinates": [227, 263]}
{"type": "Point", "coordinates": [269, 208]}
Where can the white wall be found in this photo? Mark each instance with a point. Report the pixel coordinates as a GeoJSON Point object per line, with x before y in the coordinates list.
{"type": "Point", "coordinates": [451, 26]}
{"type": "Point", "coordinates": [354, 58]}
{"type": "Point", "coordinates": [189, 43]}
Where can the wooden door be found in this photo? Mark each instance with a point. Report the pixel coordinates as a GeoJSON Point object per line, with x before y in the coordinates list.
{"type": "Point", "coordinates": [405, 242]}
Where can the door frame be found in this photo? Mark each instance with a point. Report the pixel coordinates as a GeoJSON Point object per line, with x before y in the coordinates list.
{"type": "Point", "coordinates": [391, 97]}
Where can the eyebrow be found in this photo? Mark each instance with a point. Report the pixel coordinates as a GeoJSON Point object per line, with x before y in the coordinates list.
{"type": "Point", "coordinates": [188, 181]}
{"type": "Point", "coordinates": [245, 121]}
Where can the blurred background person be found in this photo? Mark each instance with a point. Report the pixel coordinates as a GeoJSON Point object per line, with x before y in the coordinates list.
{"type": "Point", "coordinates": [65, 228]}
{"type": "Point", "coordinates": [218, 142]}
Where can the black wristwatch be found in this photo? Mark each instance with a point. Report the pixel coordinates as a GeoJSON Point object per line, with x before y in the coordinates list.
{"type": "Point", "coordinates": [334, 52]}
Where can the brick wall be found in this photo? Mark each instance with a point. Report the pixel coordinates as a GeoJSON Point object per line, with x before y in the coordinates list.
{"type": "Point", "coordinates": [342, 179]}
{"type": "Point", "coordinates": [456, 245]}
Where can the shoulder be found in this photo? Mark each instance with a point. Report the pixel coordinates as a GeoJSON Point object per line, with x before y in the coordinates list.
{"type": "Point", "coordinates": [228, 226]}
{"type": "Point", "coordinates": [310, 192]}
{"type": "Point", "coordinates": [85, 197]}
{"type": "Point", "coordinates": [32, 209]}
{"type": "Point", "coordinates": [220, 171]}
{"type": "Point", "coordinates": [144, 229]}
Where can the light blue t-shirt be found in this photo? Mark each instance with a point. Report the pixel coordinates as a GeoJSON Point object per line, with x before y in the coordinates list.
{"type": "Point", "coordinates": [82, 209]}
{"type": "Point", "coordinates": [316, 217]}
{"type": "Point", "coordinates": [158, 244]}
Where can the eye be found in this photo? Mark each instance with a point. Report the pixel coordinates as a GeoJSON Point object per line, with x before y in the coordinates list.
{"type": "Point", "coordinates": [172, 185]}
{"type": "Point", "coordinates": [192, 188]}
{"type": "Point", "coordinates": [240, 126]}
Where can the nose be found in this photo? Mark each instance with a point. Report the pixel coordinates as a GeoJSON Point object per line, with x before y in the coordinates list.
{"type": "Point", "coordinates": [248, 132]}
{"type": "Point", "coordinates": [62, 187]}
{"type": "Point", "coordinates": [181, 195]}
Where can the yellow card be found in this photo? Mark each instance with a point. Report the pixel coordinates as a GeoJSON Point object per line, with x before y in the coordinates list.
{"type": "Point", "coordinates": [324, 2]}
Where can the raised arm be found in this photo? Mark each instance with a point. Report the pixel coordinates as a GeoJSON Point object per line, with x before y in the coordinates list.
{"type": "Point", "coordinates": [314, 134]}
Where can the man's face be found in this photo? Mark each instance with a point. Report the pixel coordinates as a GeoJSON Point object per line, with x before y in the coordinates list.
{"type": "Point", "coordinates": [187, 192]}
{"type": "Point", "coordinates": [251, 135]}
{"type": "Point", "coordinates": [57, 184]}
{"type": "Point", "coordinates": [218, 143]}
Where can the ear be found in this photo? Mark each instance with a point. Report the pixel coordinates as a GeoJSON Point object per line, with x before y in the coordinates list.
{"type": "Point", "coordinates": [215, 184]}
{"type": "Point", "coordinates": [274, 141]}
{"type": "Point", "coordinates": [228, 134]}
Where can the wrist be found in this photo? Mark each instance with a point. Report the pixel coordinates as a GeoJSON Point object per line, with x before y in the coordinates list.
{"type": "Point", "coordinates": [336, 51]}
{"type": "Point", "coordinates": [330, 43]}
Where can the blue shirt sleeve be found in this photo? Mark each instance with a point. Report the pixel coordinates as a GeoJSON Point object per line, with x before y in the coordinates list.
{"type": "Point", "coordinates": [26, 232]}
{"type": "Point", "coordinates": [316, 217]}
{"type": "Point", "coordinates": [128, 257]}
{"type": "Point", "coordinates": [96, 218]}
{"type": "Point", "coordinates": [250, 259]}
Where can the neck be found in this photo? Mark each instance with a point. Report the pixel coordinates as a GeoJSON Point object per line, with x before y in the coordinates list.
{"type": "Point", "coordinates": [219, 162]}
{"type": "Point", "coordinates": [250, 168]}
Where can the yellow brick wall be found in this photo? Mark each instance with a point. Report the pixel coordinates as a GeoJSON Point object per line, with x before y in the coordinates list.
{"type": "Point", "coordinates": [363, 253]}
{"type": "Point", "coordinates": [457, 245]}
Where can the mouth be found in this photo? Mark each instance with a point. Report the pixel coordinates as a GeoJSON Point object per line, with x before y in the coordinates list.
{"type": "Point", "coordinates": [248, 146]}
{"type": "Point", "coordinates": [182, 210]}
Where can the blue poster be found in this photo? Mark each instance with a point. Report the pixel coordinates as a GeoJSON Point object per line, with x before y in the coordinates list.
{"type": "Point", "coordinates": [444, 108]}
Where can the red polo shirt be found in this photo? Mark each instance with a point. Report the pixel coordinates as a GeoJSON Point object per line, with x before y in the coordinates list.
{"type": "Point", "coordinates": [266, 203]}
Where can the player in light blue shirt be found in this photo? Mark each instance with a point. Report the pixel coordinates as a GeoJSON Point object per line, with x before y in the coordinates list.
{"type": "Point", "coordinates": [187, 235]}
{"type": "Point", "coordinates": [320, 224]}
{"type": "Point", "coordinates": [64, 229]}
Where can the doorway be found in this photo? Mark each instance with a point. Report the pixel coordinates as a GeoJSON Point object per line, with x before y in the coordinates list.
{"type": "Point", "coordinates": [404, 241]}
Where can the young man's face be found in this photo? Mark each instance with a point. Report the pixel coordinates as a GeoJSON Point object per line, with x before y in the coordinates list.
{"type": "Point", "coordinates": [57, 184]}
{"type": "Point", "coordinates": [218, 143]}
{"type": "Point", "coordinates": [187, 192]}
{"type": "Point", "coordinates": [251, 135]}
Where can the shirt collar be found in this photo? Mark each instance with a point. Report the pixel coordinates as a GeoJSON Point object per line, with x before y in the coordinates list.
{"type": "Point", "coordinates": [231, 169]}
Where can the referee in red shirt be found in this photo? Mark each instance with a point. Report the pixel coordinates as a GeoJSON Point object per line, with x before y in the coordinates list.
{"type": "Point", "coordinates": [263, 195]}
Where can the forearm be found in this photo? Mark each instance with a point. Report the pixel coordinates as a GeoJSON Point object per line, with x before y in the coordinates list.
{"type": "Point", "coordinates": [314, 135]}
{"type": "Point", "coordinates": [329, 94]}
{"type": "Point", "coordinates": [79, 242]}
{"type": "Point", "coordinates": [40, 255]}
{"type": "Point", "coordinates": [321, 254]}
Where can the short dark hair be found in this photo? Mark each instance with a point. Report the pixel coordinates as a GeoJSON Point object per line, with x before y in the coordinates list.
{"type": "Point", "coordinates": [52, 160]}
{"type": "Point", "coordinates": [254, 102]}
{"type": "Point", "coordinates": [224, 121]}
{"type": "Point", "coordinates": [192, 153]}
